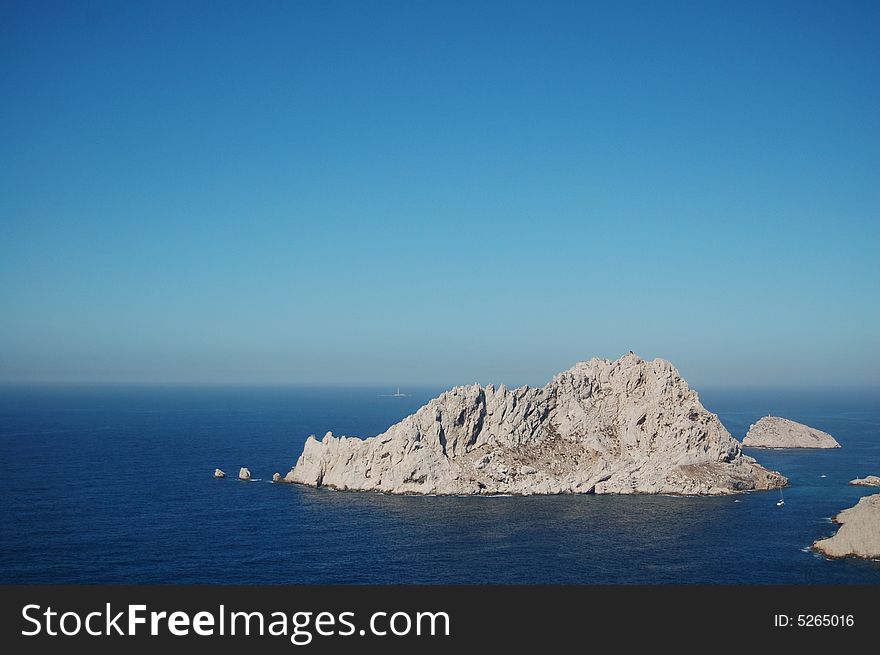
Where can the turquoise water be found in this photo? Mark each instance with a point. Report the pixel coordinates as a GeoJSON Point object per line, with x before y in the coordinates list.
{"type": "Point", "coordinates": [106, 485]}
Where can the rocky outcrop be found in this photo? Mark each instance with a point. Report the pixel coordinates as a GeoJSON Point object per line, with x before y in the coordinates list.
{"type": "Point", "coordinates": [276, 477]}
{"type": "Point", "coordinates": [244, 474]}
{"type": "Point", "coordinates": [859, 533]}
{"type": "Point", "coordinates": [219, 474]}
{"type": "Point", "coordinates": [603, 427]}
{"type": "Point", "coordinates": [867, 481]}
{"type": "Point", "coordinates": [776, 432]}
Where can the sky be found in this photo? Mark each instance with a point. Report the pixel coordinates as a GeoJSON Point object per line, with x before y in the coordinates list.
{"type": "Point", "coordinates": [439, 192]}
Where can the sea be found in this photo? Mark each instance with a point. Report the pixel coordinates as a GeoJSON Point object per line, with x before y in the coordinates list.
{"type": "Point", "coordinates": [111, 484]}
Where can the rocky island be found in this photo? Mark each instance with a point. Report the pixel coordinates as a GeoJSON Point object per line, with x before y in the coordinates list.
{"type": "Point", "coordinates": [776, 432]}
{"type": "Point", "coordinates": [867, 481]}
{"type": "Point", "coordinates": [603, 427]}
{"type": "Point", "coordinates": [859, 533]}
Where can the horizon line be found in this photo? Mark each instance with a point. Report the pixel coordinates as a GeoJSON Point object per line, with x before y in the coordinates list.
{"type": "Point", "coordinates": [383, 385]}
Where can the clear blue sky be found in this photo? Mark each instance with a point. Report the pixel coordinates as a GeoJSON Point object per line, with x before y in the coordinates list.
{"type": "Point", "coordinates": [439, 192]}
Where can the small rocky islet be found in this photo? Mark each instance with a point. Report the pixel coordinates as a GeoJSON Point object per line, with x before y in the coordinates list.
{"type": "Point", "coordinates": [867, 481]}
{"type": "Point", "coordinates": [778, 432]}
{"type": "Point", "coordinates": [859, 532]}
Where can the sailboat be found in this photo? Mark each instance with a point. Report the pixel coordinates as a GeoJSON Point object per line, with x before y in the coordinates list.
{"type": "Point", "coordinates": [781, 501]}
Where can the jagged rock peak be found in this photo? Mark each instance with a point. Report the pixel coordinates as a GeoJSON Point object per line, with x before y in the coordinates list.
{"type": "Point", "coordinates": [624, 426]}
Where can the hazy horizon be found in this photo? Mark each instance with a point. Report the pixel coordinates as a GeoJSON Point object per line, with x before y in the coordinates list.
{"type": "Point", "coordinates": [405, 387]}
{"type": "Point", "coordinates": [429, 194]}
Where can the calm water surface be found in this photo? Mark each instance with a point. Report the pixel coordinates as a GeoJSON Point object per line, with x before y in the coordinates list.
{"type": "Point", "coordinates": [109, 485]}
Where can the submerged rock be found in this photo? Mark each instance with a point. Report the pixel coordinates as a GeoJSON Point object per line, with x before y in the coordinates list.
{"type": "Point", "coordinates": [621, 427]}
{"type": "Point", "coordinates": [219, 474]}
{"type": "Point", "coordinates": [867, 481]}
{"type": "Point", "coordinates": [859, 533]}
{"type": "Point", "coordinates": [244, 474]}
{"type": "Point", "coordinates": [776, 432]}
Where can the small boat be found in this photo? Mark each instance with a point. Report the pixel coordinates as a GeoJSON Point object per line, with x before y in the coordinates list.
{"type": "Point", "coordinates": [781, 501]}
{"type": "Point", "coordinates": [823, 476]}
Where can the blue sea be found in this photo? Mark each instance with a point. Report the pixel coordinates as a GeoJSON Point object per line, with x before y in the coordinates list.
{"type": "Point", "coordinates": [114, 485]}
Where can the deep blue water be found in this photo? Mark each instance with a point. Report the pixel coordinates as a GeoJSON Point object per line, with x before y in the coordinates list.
{"type": "Point", "coordinates": [109, 485]}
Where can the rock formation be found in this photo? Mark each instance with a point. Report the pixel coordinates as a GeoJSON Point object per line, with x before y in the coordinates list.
{"type": "Point", "coordinates": [621, 427]}
{"type": "Point", "coordinates": [867, 481]}
{"type": "Point", "coordinates": [776, 432]}
{"type": "Point", "coordinates": [859, 533]}
{"type": "Point", "coordinates": [219, 474]}
{"type": "Point", "coordinates": [244, 474]}
{"type": "Point", "coordinates": [276, 477]}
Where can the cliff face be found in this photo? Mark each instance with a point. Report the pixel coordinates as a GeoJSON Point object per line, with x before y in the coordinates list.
{"type": "Point", "coordinates": [628, 426]}
{"type": "Point", "coordinates": [776, 432]}
{"type": "Point", "coordinates": [859, 533]}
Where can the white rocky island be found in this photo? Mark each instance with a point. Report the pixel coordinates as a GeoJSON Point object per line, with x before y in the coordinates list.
{"type": "Point", "coordinates": [867, 481]}
{"type": "Point", "coordinates": [859, 533]}
{"type": "Point", "coordinates": [603, 427]}
{"type": "Point", "coordinates": [776, 432]}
